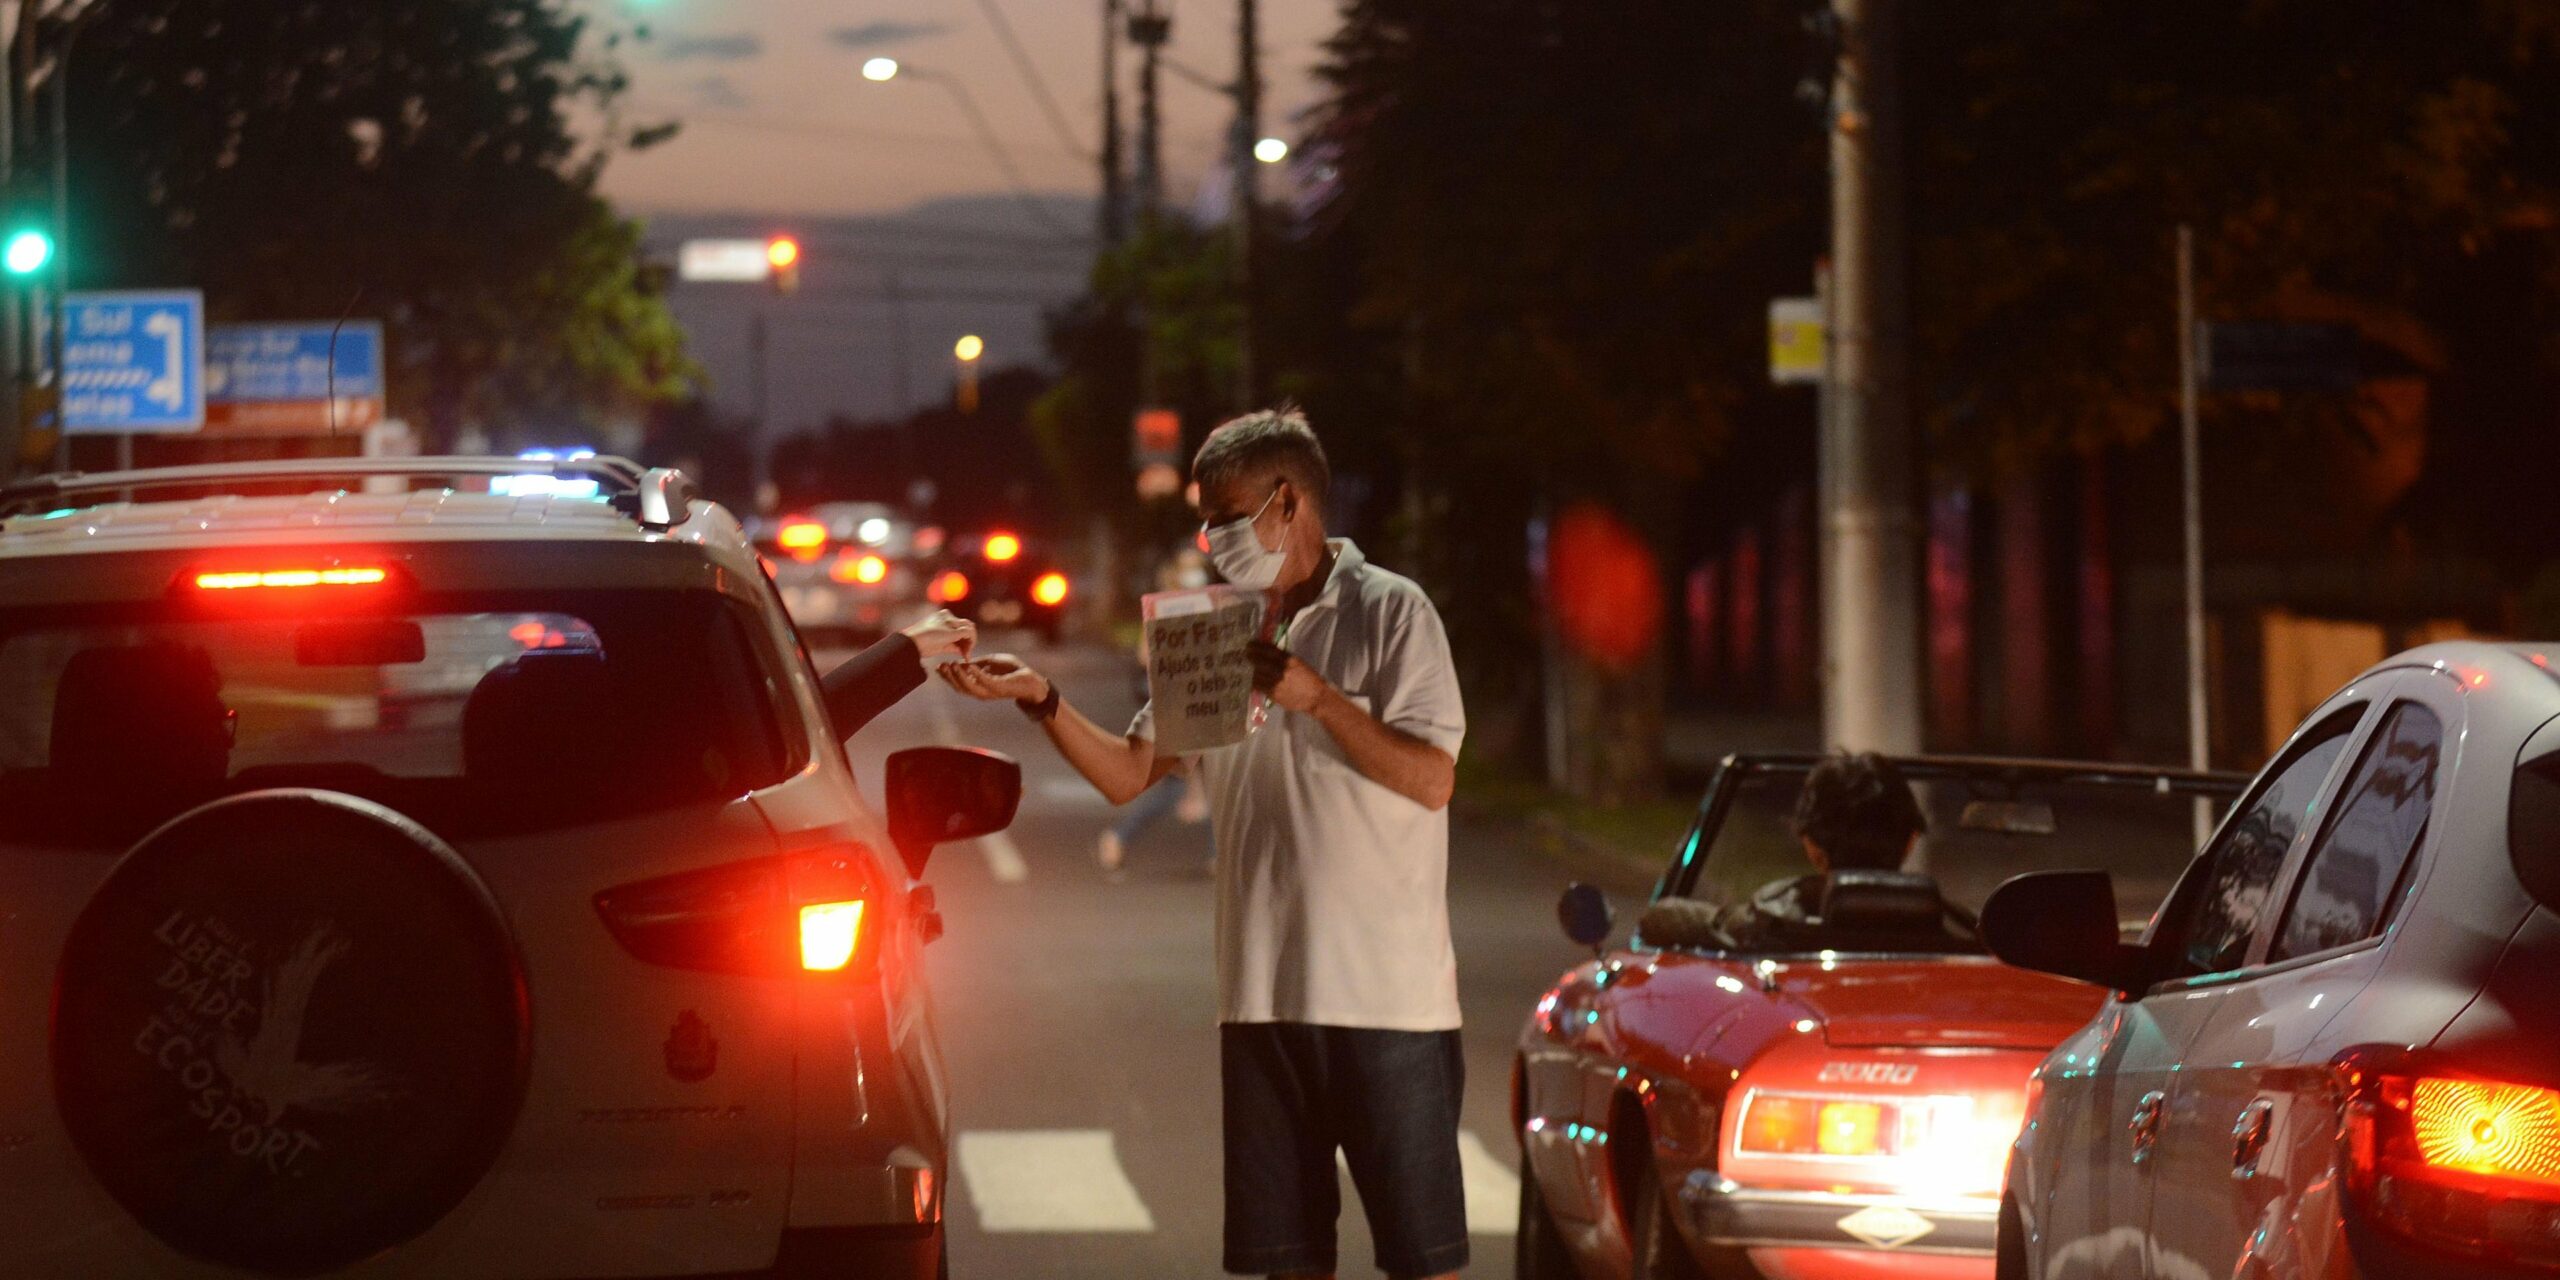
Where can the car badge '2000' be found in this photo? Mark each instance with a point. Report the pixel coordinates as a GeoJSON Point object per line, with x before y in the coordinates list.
{"type": "Point", "coordinates": [1868, 1073]}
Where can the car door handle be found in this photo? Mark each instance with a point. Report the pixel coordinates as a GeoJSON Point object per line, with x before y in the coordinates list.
{"type": "Point", "coordinates": [2144, 1128]}
{"type": "Point", "coordinates": [2249, 1138]}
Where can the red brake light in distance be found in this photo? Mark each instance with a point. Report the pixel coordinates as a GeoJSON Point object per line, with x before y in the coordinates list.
{"type": "Point", "coordinates": [2456, 1162]}
{"type": "Point", "coordinates": [800, 535]}
{"type": "Point", "coordinates": [865, 569]}
{"type": "Point", "coordinates": [1003, 547]}
{"type": "Point", "coordinates": [331, 576]}
{"type": "Point", "coordinates": [949, 587]}
{"type": "Point", "coordinates": [1050, 589]}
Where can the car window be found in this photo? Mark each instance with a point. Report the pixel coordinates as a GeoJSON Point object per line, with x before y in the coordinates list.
{"type": "Point", "coordinates": [473, 713]}
{"type": "Point", "coordinates": [2353, 870]}
{"type": "Point", "coordinates": [2217, 907]}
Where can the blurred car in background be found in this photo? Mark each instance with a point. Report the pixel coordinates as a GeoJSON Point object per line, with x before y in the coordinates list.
{"type": "Point", "coordinates": [849, 572]}
{"type": "Point", "coordinates": [1834, 1100]}
{"type": "Point", "coordinates": [1000, 579]}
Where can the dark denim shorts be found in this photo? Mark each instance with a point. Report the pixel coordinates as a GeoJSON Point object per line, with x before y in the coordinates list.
{"type": "Point", "coordinates": [1388, 1100]}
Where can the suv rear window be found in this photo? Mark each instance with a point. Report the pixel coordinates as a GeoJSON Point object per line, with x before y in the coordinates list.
{"type": "Point", "coordinates": [472, 714]}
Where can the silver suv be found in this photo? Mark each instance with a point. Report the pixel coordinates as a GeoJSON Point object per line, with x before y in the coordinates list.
{"type": "Point", "coordinates": [408, 872]}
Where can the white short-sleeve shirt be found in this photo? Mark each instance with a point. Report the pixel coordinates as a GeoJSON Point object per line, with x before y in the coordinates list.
{"type": "Point", "coordinates": [1333, 891]}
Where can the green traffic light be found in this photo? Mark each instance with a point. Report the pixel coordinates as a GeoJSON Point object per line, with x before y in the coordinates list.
{"type": "Point", "coordinates": [26, 253]}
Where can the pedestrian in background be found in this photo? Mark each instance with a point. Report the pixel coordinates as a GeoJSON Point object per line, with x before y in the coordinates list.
{"type": "Point", "coordinates": [1337, 984]}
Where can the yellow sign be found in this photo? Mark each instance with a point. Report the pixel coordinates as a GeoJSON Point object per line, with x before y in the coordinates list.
{"type": "Point", "coordinates": [1797, 341]}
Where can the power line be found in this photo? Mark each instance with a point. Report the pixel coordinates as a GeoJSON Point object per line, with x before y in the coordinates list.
{"type": "Point", "coordinates": [1030, 72]}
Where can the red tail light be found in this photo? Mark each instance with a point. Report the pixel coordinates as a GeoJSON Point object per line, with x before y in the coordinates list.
{"type": "Point", "coordinates": [949, 588]}
{"type": "Point", "coordinates": [805, 912]}
{"type": "Point", "coordinates": [1002, 548]}
{"type": "Point", "coordinates": [367, 575]}
{"type": "Point", "coordinates": [801, 535]}
{"type": "Point", "coordinates": [862, 569]}
{"type": "Point", "coordinates": [2452, 1160]}
{"type": "Point", "coordinates": [1050, 589]}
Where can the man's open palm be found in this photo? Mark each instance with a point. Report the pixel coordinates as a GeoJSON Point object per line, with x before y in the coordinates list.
{"type": "Point", "coordinates": [996, 677]}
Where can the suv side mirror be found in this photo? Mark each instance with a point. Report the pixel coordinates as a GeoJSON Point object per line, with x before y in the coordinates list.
{"type": "Point", "coordinates": [1584, 912]}
{"type": "Point", "coordinates": [2064, 922]}
{"type": "Point", "coordinates": [939, 794]}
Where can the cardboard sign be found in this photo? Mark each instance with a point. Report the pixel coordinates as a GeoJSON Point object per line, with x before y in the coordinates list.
{"type": "Point", "coordinates": [1197, 673]}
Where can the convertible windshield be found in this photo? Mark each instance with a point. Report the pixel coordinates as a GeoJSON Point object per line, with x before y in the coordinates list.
{"type": "Point", "coordinates": [1987, 821]}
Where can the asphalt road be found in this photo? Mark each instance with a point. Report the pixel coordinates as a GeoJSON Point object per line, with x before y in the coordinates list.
{"type": "Point", "coordinates": [1079, 1014]}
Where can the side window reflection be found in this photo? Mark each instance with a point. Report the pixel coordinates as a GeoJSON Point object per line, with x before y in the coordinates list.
{"type": "Point", "coordinates": [2218, 909]}
{"type": "Point", "coordinates": [2350, 877]}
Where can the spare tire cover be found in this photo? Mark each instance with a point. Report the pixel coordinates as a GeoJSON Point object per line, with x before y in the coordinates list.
{"type": "Point", "coordinates": [289, 1031]}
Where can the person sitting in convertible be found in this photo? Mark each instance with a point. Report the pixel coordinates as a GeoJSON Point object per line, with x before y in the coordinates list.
{"type": "Point", "coordinates": [1858, 822]}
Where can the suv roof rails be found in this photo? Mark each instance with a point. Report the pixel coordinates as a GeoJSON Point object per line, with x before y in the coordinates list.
{"type": "Point", "coordinates": [657, 497]}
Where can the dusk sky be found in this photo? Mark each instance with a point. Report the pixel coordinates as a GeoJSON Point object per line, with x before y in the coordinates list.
{"type": "Point", "coordinates": [779, 120]}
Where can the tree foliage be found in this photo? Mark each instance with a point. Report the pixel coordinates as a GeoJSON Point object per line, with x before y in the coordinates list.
{"type": "Point", "coordinates": [417, 160]}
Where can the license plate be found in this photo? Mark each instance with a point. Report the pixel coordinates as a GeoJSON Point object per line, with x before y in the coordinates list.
{"type": "Point", "coordinates": [1000, 612]}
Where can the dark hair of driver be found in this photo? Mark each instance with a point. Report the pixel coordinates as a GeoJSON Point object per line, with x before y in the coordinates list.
{"type": "Point", "coordinates": [1859, 811]}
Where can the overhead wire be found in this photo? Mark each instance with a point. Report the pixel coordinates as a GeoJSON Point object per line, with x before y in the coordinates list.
{"type": "Point", "coordinates": [1032, 79]}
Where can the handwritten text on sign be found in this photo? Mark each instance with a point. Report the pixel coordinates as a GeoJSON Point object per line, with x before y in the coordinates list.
{"type": "Point", "coordinates": [1197, 671]}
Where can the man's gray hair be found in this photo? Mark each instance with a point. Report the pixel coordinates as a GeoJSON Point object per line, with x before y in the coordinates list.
{"type": "Point", "coordinates": [1266, 440]}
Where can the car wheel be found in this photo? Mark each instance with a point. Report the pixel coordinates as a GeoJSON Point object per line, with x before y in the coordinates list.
{"type": "Point", "coordinates": [1660, 1252]}
{"type": "Point", "coordinates": [1539, 1252]}
{"type": "Point", "coordinates": [2010, 1253]}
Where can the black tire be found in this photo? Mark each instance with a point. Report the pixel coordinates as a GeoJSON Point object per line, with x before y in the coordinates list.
{"type": "Point", "coordinates": [290, 1031]}
{"type": "Point", "coordinates": [1660, 1252]}
{"type": "Point", "coordinates": [1539, 1252]}
{"type": "Point", "coordinates": [2009, 1253]}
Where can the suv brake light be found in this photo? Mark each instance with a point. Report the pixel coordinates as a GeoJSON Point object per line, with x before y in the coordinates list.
{"type": "Point", "coordinates": [800, 913]}
{"type": "Point", "coordinates": [2452, 1160]}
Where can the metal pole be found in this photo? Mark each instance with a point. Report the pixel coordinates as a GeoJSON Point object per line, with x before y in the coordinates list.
{"type": "Point", "coordinates": [1114, 224]}
{"type": "Point", "coordinates": [1870, 617]}
{"type": "Point", "coordinates": [2191, 468]}
{"type": "Point", "coordinates": [756, 392]}
{"type": "Point", "coordinates": [1248, 195]}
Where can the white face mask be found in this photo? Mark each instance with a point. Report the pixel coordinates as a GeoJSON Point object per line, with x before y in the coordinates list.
{"type": "Point", "coordinates": [1239, 554]}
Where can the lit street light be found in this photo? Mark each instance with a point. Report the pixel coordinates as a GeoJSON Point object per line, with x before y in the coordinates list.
{"type": "Point", "coordinates": [1271, 150]}
{"type": "Point", "coordinates": [880, 70]}
{"type": "Point", "coordinates": [967, 351]}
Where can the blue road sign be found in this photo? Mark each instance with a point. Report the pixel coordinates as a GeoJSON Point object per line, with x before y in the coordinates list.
{"type": "Point", "coordinates": [133, 361]}
{"type": "Point", "coordinates": [272, 362]}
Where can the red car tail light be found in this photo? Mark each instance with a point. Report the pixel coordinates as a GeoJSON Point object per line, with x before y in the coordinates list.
{"type": "Point", "coordinates": [950, 587]}
{"type": "Point", "coordinates": [866, 569]}
{"type": "Point", "coordinates": [1002, 548]}
{"type": "Point", "coordinates": [2452, 1160]}
{"type": "Point", "coordinates": [1957, 1143]}
{"type": "Point", "coordinates": [804, 912]}
{"type": "Point", "coordinates": [801, 535]}
{"type": "Point", "coordinates": [1050, 589]}
{"type": "Point", "coordinates": [369, 575]}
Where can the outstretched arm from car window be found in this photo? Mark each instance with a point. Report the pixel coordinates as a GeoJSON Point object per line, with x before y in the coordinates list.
{"type": "Point", "coordinates": [872, 681]}
{"type": "Point", "coordinates": [1120, 766]}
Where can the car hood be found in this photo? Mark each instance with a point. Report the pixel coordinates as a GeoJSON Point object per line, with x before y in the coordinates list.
{"type": "Point", "coordinates": [1954, 1002]}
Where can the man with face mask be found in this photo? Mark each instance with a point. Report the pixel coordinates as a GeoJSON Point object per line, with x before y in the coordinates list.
{"type": "Point", "coordinates": [1337, 986]}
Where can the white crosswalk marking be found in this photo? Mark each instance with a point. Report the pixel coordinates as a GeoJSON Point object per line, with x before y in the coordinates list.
{"type": "Point", "coordinates": [1049, 1180]}
{"type": "Point", "coordinates": [1493, 1190]}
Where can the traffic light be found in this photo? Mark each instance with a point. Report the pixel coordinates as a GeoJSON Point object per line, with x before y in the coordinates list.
{"type": "Point", "coordinates": [26, 252]}
{"type": "Point", "coordinates": [782, 255]}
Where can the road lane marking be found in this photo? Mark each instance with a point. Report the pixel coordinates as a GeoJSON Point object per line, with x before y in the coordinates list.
{"type": "Point", "coordinates": [1004, 857]}
{"type": "Point", "coordinates": [1492, 1189]}
{"type": "Point", "coordinates": [1065, 1181]}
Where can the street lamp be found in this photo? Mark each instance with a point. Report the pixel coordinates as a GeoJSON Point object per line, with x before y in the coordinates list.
{"type": "Point", "coordinates": [967, 351]}
{"type": "Point", "coordinates": [880, 70]}
{"type": "Point", "coordinates": [1271, 150]}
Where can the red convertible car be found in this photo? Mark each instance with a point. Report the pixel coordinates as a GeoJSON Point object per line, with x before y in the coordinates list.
{"type": "Point", "coordinates": [1838, 1104]}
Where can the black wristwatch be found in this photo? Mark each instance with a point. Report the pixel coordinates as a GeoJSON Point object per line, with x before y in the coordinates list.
{"type": "Point", "coordinates": [1042, 711]}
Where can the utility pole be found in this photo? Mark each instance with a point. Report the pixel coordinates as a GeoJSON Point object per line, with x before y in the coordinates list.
{"type": "Point", "coordinates": [1149, 29]}
{"type": "Point", "coordinates": [757, 431]}
{"type": "Point", "coordinates": [1248, 195]}
{"type": "Point", "coordinates": [1115, 199]}
{"type": "Point", "coordinates": [1870, 482]}
{"type": "Point", "coordinates": [2191, 488]}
